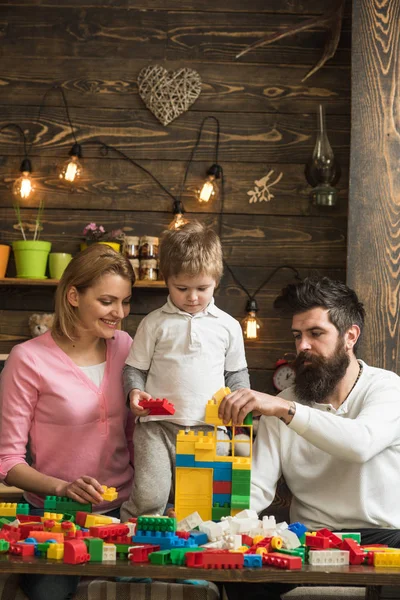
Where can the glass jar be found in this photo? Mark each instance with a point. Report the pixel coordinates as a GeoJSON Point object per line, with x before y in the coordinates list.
{"type": "Point", "coordinates": [148, 247]}
{"type": "Point", "coordinates": [136, 267]}
{"type": "Point", "coordinates": [132, 246]}
{"type": "Point", "coordinates": [148, 269]}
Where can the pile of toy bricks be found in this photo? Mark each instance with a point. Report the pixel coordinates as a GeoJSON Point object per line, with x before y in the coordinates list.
{"type": "Point", "coordinates": [70, 532]}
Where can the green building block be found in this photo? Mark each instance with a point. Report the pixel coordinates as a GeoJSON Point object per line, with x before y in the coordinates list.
{"type": "Point", "coordinates": [95, 549]}
{"type": "Point", "coordinates": [50, 504]}
{"type": "Point", "coordinates": [241, 476]}
{"type": "Point", "coordinates": [241, 488]}
{"type": "Point", "coordinates": [22, 509]}
{"type": "Point", "coordinates": [64, 505]}
{"type": "Point", "coordinates": [42, 548]}
{"type": "Point", "coordinates": [4, 546]}
{"type": "Point", "coordinates": [122, 550]}
{"type": "Point", "coordinates": [156, 524]}
{"type": "Point", "coordinates": [241, 502]}
{"type": "Point", "coordinates": [6, 520]}
{"type": "Point", "coordinates": [69, 517]}
{"type": "Point", "coordinates": [296, 552]}
{"type": "Point", "coordinates": [248, 419]}
{"type": "Point", "coordinates": [218, 511]}
{"type": "Point", "coordinates": [178, 554]}
{"type": "Point", "coordinates": [162, 557]}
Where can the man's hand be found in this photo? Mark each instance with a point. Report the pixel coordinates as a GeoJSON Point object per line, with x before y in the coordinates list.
{"type": "Point", "coordinates": [85, 490]}
{"type": "Point", "coordinates": [237, 405]}
{"type": "Point", "coordinates": [135, 396]}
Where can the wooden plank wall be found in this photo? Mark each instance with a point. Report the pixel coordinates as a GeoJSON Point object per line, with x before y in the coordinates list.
{"type": "Point", "coordinates": [375, 178]}
{"type": "Point", "coordinates": [95, 51]}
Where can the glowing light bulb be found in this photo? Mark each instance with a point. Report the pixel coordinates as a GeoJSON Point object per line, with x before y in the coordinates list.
{"type": "Point", "coordinates": [178, 220]}
{"type": "Point", "coordinates": [250, 324]}
{"type": "Point", "coordinates": [71, 170]}
{"type": "Point", "coordinates": [23, 186]}
{"type": "Point", "coordinates": [210, 188]}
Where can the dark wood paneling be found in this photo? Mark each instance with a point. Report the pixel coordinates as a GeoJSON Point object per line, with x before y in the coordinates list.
{"type": "Point", "coordinates": [118, 186]}
{"type": "Point", "coordinates": [375, 179]}
{"type": "Point", "coordinates": [225, 87]}
{"type": "Point", "coordinates": [257, 137]}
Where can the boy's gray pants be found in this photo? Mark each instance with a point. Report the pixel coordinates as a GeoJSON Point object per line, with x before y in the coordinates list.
{"type": "Point", "coordinates": [154, 447]}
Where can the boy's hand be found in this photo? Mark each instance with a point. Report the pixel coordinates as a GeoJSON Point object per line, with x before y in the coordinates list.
{"type": "Point", "coordinates": [135, 396]}
{"type": "Point", "coordinates": [171, 513]}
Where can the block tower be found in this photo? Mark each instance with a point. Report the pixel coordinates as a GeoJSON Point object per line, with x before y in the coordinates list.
{"type": "Point", "coordinates": [215, 486]}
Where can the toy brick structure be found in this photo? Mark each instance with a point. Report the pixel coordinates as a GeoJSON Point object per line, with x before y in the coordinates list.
{"type": "Point", "coordinates": [214, 486]}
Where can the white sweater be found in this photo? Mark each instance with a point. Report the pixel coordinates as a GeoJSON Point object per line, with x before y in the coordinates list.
{"type": "Point", "coordinates": [342, 466]}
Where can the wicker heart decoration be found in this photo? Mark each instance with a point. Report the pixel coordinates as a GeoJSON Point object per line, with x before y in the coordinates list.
{"type": "Point", "coordinates": [168, 94]}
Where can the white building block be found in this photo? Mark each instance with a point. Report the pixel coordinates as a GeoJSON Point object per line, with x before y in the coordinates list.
{"type": "Point", "coordinates": [190, 522]}
{"type": "Point", "coordinates": [328, 557]}
{"type": "Point", "coordinates": [109, 552]}
{"type": "Point", "coordinates": [290, 539]}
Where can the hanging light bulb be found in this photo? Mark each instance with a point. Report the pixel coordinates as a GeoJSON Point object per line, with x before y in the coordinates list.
{"type": "Point", "coordinates": [23, 186]}
{"type": "Point", "coordinates": [178, 220]}
{"type": "Point", "coordinates": [71, 169]}
{"type": "Point", "coordinates": [250, 324]}
{"type": "Point", "coordinates": [210, 188]}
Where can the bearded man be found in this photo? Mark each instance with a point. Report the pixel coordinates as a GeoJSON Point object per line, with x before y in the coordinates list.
{"type": "Point", "coordinates": [335, 434]}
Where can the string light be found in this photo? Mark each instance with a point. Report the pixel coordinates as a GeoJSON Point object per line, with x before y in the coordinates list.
{"type": "Point", "coordinates": [210, 188]}
{"type": "Point", "coordinates": [71, 169]}
{"type": "Point", "coordinates": [23, 187]}
{"type": "Point", "coordinates": [179, 220]}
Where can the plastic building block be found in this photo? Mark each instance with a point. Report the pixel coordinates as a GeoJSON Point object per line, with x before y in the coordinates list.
{"type": "Point", "coordinates": [354, 535]}
{"type": "Point", "coordinates": [328, 557]}
{"type": "Point", "coordinates": [8, 509]}
{"type": "Point", "coordinates": [109, 531]}
{"type": "Point", "coordinates": [63, 504]}
{"type": "Point", "coordinates": [43, 536]}
{"type": "Point", "coordinates": [334, 540]}
{"type": "Point", "coordinates": [150, 523]}
{"type": "Point", "coordinates": [221, 473]}
{"type": "Point", "coordinates": [240, 501]}
{"type": "Point", "coordinates": [220, 395]}
{"type": "Point", "coordinates": [317, 541]}
{"type": "Point", "coordinates": [298, 528]}
{"type": "Point", "coordinates": [94, 548]}
{"type": "Point", "coordinates": [22, 549]}
{"type": "Point", "coordinates": [158, 407]}
{"type": "Point", "coordinates": [185, 442]}
{"type": "Point", "coordinates": [75, 552]}
{"type": "Point", "coordinates": [94, 520]}
{"type": "Point", "coordinates": [252, 561]}
{"type": "Point", "coordinates": [109, 493]}
{"type": "Point", "coordinates": [387, 559]}
{"type": "Point", "coordinates": [199, 537]}
{"type": "Point", "coordinates": [222, 487]}
{"type": "Point", "coordinates": [355, 550]}
{"type": "Point", "coordinates": [222, 560]}
{"type": "Point", "coordinates": [161, 557]}
{"type": "Point", "coordinates": [55, 551]}
{"type": "Point", "coordinates": [23, 509]}
{"type": "Point", "coordinates": [241, 462]}
{"type": "Point", "coordinates": [190, 522]}
{"type": "Point", "coordinates": [178, 554]}
{"type": "Point", "coordinates": [29, 518]}
{"type": "Point", "coordinates": [138, 554]}
{"type": "Point", "coordinates": [47, 516]}
{"type": "Point", "coordinates": [221, 499]}
{"type": "Point", "coordinates": [193, 491]}
{"type": "Point", "coordinates": [185, 460]}
{"type": "Point", "coordinates": [109, 552]}
{"type": "Point", "coordinates": [4, 546]}
{"type": "Point", "coordinates": [282, 561]}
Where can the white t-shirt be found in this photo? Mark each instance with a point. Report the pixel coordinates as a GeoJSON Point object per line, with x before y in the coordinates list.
{"type": "Point", "coordinates": [342, 466]}
{"type": "Point", "coordinates": [186, 356]}
{"type": "Point", "coordinates": [95, 373]}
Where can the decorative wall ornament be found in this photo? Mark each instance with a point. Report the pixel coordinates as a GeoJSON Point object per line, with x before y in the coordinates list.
{"type": "Point", "coordinates": [262, 189]}
{"type": "Point", "coordinates": [168, 94]}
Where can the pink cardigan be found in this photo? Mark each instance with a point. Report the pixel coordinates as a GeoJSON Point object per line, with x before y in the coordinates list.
{"type": "Point", "coordinates": [74, 427]}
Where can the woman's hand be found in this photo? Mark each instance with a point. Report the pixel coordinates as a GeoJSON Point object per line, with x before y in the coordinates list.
{"type": "Point", "coordinates": [85, 490]}
{"type": "Point", "coordinates": [237, 405]}
{"type": "Point", "coordinates": [171, 513]}
{"type": "Point", "coordinates": [135, 396]}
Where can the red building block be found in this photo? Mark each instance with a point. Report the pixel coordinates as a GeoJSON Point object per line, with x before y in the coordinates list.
{"type": "Point", "coordinates": [75, 552]}
{"type": "Point", "coordinates": [247, 540]}
{"type": "Point", "coordinates": [21, 549]}
{"type": "Point", "coordinates": [317, 541]}
{"type": "Point", "coordinates": [158, 407]}
{"type": "Point", "coordinates": [29, 518]}
{"type": "Point", "coordinates": [334, 540]}
{"type": "Point", "coordinates": [26, 528]}
{"type": "Point", "coordinates": [222, 487]}
{"type": "Point", "coordinates": [10, 533]}
{"type": "Point", "coordinates": [183, 534]}
{"type": "Point", "coordinates": [109, 531]}
{"type": "Point", "coordinates": [282, 561]}
{"type": "Point", "coordinates": [222, 560]}
{"type": "Point", "coordinates": [80, 518]}
{"type": "Point", "coordinates": [357, 554]}
{"type": "Point", "coordinates": [140, 554]}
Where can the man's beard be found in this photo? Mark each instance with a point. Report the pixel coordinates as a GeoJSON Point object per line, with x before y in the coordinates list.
{"type": "Point", "coordinates": [317, 380]}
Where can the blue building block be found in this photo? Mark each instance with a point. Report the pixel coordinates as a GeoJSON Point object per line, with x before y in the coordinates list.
{"type": "Point", "coordinates": [202, 464]}
{"type": "Point", "coordinates": [222, 472]}
{"type": "Point", "coordinates": [253, 561]}
{"type": "Point", "coordinates": [199, 537]}
{"type": "Point", "coordinates": [298, 528]}
{"type": "Point", "coordinates": [185, 460]}
{"type": "Point", "coordinates": [165, 539]}
{"type": "Point", "coordinates": [221, 498]}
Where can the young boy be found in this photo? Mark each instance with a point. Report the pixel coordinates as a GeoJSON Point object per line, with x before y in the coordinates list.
{"type": "Point", "coordinates": [184, 351]}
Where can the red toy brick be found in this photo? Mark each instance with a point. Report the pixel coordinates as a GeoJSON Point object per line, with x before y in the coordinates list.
{"type": "Point", "coordinates": [334, 540]}
{"type": "Point", "coordinates": [183, 534]}
{"type": "Point", "coordinates": [75, 552]}
{"type": "Point", "coordinates": [29, 518]}
{"type": "Point", "coordinates": [222, 560]}
{"type": "Point", "coordinates": [282, 561]}
{"type": "Point", "coordinates": [80, 518]}
{"type": "Point", "coordinates": [141, 553]}
{"type": "Point", "coordinates": [247, 540]}
{"type": "Point", "coordinates": [357, 554]}
{"type": "Point", "coordinates": [21, 549]}
{"type": "Point", "coordinates": [222, 487]}
{"type": "Point", "coordinates": [26, 528]}
{"type": "Point", "coordinates": [317, 541]}
{"type": "Point", "coordinates": [158, 407]}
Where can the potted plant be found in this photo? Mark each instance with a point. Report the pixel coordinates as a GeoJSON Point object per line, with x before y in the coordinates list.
{"type": "Point", "coordinates": [30, 254]}
{"type": "Point", "coordinates": [96, 234]}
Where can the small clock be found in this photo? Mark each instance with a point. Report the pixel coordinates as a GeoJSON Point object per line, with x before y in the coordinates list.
{"type": "Point", "coordinates": [284, 375]}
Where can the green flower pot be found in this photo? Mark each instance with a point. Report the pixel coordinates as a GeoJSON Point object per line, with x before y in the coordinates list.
{"type": "Point", "coordinates": [31, 258]}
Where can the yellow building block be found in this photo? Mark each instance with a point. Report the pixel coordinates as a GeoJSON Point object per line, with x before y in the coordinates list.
{"type": "Point", "coordinates": [235, 511]}
{"type": "Point", "coordinates": [241, 549]}
{"type": "Point", "coordinates": [185, 442]}
{"type": "Point", "coordinates": [205, 442]}
{"type": "Point", "coordinates": [55, 551]}
{"type": "Point", "coordinates": [242, 463]}
{"type": "Point", "coordinates": [8, 509]}
{"type": "Point", "coordinates": [48, 516]}
{"type": "Point", "coordinates": [94, 520]}
{"type": "Point", "coordinates": [109, 493]}
{"type": "Point", "coordinates": [212, 417]}
{"type": "Point", "coordinates": [57, 528]}
{"type": "Point", "coordinates": [220, 395]}
{"type": "Point", "coordinates": [387, 559]}
{"type": "Point", "coordinates": [193, 492]}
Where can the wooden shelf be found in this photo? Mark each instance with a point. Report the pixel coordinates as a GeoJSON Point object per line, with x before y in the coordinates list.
{"type": "Point", "coordinates": [54, 282]}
